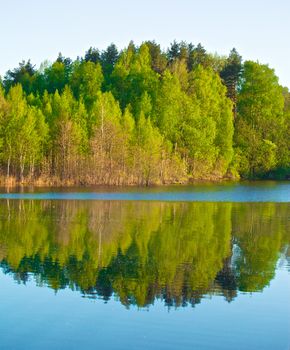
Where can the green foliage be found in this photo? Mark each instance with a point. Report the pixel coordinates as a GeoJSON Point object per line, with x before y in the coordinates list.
{"type": "Point", "coordinates": [158, 58]}
{"type": "Point", "coordinates": [143, 116]}
{"type": "Point", "coordinates": [231, 74]}
{"type": "Point", "coordinates": [133, 76]}
{"type": "Point", "coordinates": [214, 125]}
{"type": "Point", "coordinates": [260, 126]}
{"type": "Point", "coordinates": [24, 75]}
{"type": "Point", "coordinates": [24, 133]}
{"type": "Point", "coordinates": [167, 111]}
{"type": "Point", "coordinates": [86, 82]}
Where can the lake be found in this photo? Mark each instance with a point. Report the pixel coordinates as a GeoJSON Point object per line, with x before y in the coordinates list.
{"type": "Point", "coordinates": [179, 267]}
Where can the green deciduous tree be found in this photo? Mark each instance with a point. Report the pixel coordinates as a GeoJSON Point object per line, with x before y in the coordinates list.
{"type": "Point", "coordinates": [260, 120]}
{"type": "Point", "coordinates": [86, 81]}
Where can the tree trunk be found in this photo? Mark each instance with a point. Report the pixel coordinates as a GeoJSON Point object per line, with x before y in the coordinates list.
{"type": "Point", "coordinates": [8, 167]}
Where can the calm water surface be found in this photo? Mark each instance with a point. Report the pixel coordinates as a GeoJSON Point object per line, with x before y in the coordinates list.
{"type": "Point", "coordinates": [259, 191]}
{"type": "Point", "coordinates": [145, 274]}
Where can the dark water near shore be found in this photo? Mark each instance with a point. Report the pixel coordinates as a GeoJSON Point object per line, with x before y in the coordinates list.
{"type": "Point", "coordinates": [146, 274]}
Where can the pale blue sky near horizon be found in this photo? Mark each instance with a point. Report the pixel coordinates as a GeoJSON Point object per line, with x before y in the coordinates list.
{"type": "Point", "coordinates": [259, 29]}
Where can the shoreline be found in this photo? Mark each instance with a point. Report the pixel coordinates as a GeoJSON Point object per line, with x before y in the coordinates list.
{"type": "Point", "coordinates": [72, 185]}
{"type": "Point", "coordinates": [12, 182]}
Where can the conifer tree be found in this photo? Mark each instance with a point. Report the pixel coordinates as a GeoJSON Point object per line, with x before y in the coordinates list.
{"type": "Point", "coordinates": [230, 75]}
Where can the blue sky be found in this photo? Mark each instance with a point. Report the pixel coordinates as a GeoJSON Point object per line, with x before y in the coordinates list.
{"type": "Point", "coordinates": [259, 29]}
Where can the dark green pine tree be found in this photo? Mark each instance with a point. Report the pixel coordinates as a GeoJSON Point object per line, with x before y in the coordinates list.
{"type": "Point", "coordinates": [158, 58]}
{"type": "Point", "coordinates": [197, 56]}
{"type": "Point", "coordinates": [92, 55]}
{"type": "Point", "coordinates": [230, 75]}
{"type": "Point", "coordinates": [24, 75]}
{"type": "Point", "coordinates": [108, 59]}
{"type": "Point", "coordinates": [173, 52]}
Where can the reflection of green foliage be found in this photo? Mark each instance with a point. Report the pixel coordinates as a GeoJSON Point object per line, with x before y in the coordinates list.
{"type": "Point", "coordinates": [260, 232]}
{"type": "Point", "coordinates": [140, 251]}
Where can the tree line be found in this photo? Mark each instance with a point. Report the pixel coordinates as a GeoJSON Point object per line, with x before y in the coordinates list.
{"type": "Point", "coordinates": [143, 116]}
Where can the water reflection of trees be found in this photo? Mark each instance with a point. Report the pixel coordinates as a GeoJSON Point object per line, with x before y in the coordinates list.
{"type": "Point", "coordinates": [140, 251]}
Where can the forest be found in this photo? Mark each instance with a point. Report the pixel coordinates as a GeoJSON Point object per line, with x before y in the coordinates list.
{"type": "Point", "coordinates": [143, 116]}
